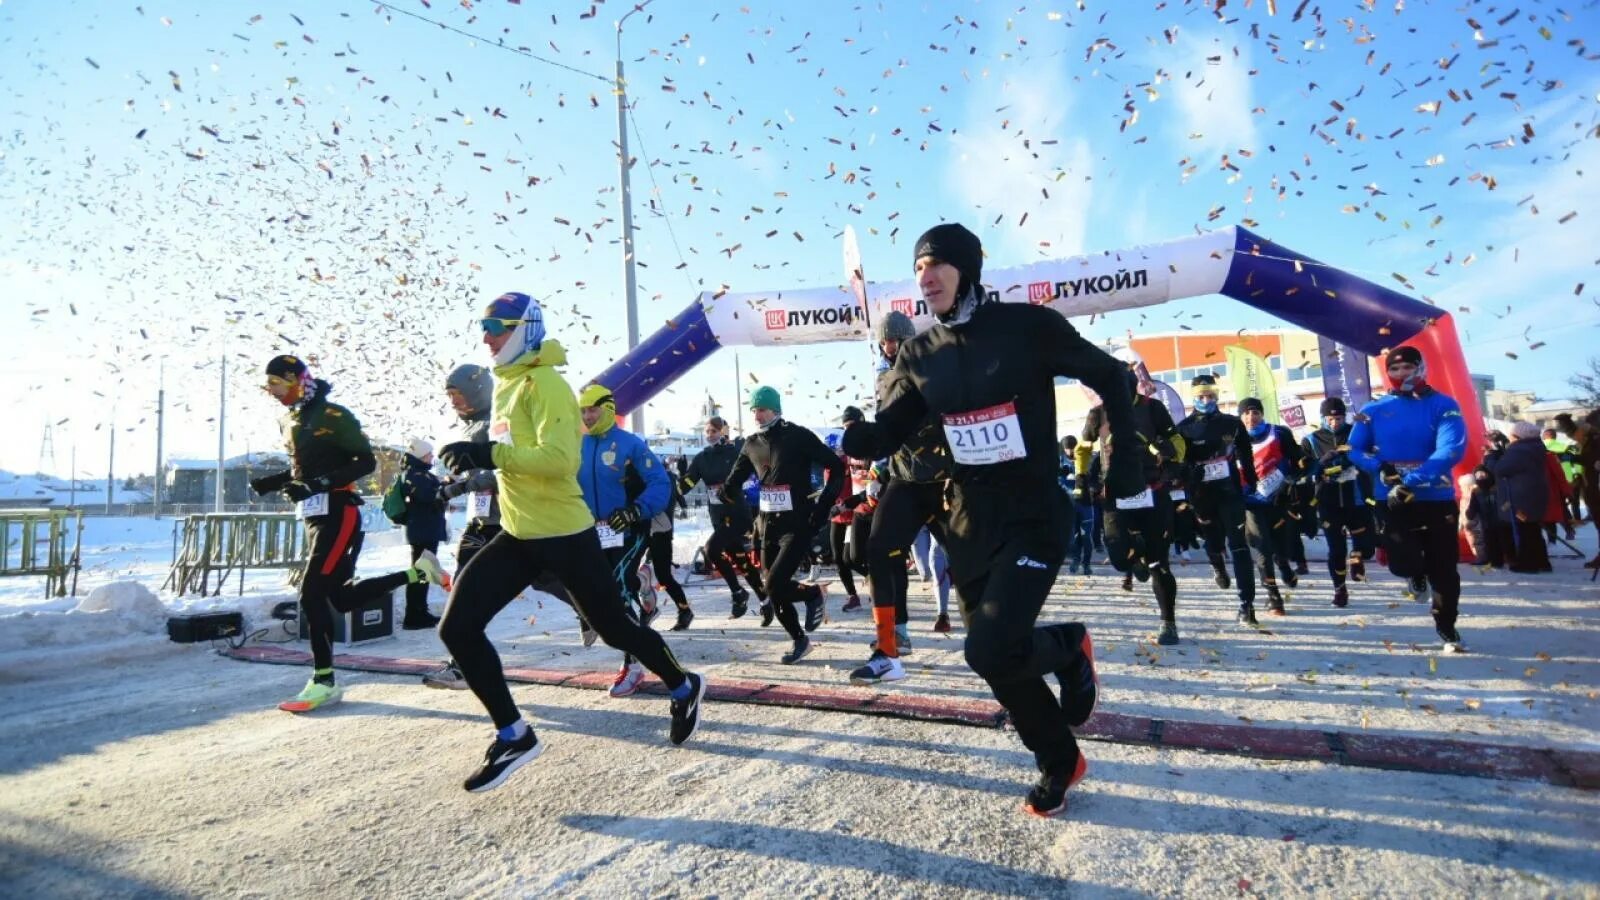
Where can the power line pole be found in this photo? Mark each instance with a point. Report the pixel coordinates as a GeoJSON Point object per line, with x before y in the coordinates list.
{"type": "Point", "coordinates": [111, 461]}
{"type": "Point", "coordinates": [630, 283]}
{"type": "Point", "coordinates": [161, 413]}
{"type": "Point", "coordinates": [222, 426]}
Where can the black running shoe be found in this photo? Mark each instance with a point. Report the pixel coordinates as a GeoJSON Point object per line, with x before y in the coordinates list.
{"type": "Point", "coordinates": [816, 609]}
{"type": "Point", "coordinates": [741, 604]}
{"type": "Point", "coordinates": [768, 613]}
{"type": "Point", "coordinates": [1301, 568]}
{"type": "Point", "coordinates": [1049, 797]}
{"type": "Point", "coordinates": [1358, 569]}
{"type": "Point", "coordinates": [1221, 576]}
{"type": "Point", "coordinates": [1168, 635]}
{"type": "Point", "coordinates": [801, 648]}
{"type": "Point", "coordinates": [1290, 579]}
{"type": "Point", "coordinates": [1341, 596]}
{"type": "Point", "coordinates": [1080, 685]}
{"type": "Point", "coordinates": [685, 616]}
{"type": "Point", "coordinates": [686, 712]}
{"type": "Point", "coordinates": [1247, 616]}
{"type": "Point", "coordinates": [503, 758]}
{"type": "Point", "coordinates": [1451, 640]}
{"type": "Point", "coordinates": [1127, 582]}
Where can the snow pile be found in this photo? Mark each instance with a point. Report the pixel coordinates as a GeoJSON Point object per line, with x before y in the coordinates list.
{"type": "Point", "coordinates": [128, 599]}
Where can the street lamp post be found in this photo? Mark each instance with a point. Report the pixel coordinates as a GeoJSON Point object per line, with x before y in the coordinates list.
{"type": "Point", "coordinates": [630, 282]}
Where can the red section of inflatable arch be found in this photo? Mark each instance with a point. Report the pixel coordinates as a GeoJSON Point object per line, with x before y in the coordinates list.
{"type": "Point", "coordinates": [1447, 373]}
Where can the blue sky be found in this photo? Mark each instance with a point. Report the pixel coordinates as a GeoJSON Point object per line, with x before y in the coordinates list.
{"type": "Point", "coordinates": [186, 180]}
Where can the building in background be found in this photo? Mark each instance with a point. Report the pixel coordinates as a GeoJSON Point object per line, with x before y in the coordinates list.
{"type": "Point", "coordinates": [1177, 357]}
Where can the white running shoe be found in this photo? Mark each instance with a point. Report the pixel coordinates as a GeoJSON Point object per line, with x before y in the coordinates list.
{"type": "Point", "coordinates": [879, 668]}
{"type": "Point", "coordinates": [627, 680]}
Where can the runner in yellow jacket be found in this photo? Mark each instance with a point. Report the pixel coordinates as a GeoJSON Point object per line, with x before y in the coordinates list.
{"type": "Point", "coordinates": [547, 528]}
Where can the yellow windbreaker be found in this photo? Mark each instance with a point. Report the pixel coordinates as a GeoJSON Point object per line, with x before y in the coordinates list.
{"type": "Point", "coordinates": [535, 428]}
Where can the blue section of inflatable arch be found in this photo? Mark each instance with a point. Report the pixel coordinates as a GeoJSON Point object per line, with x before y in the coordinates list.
{"type": "Point", "coordinates": [660, 359]}
{"type": "Point", "coordinates": [1321, 298]}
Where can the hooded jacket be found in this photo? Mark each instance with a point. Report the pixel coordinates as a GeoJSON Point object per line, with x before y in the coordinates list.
{"type": "Point", "coordinates": [535, 428]}
{"type": "Point", "coordinates": [424, 508]}
{"type": "Point", "coordinates": [1001, 361]}
{"type": "Point", "coordinates": [475, 428]}
{"type": "Point", "coordinates": [1522, 481]}
{"type": "Point", "coordinates": [1421, 435]}
{"type": "Point", "coordinates": [325, 440]}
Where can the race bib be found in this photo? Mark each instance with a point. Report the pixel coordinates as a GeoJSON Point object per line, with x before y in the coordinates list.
{"type": "Point", "coordinates": [314, 505]}
{"type": "Point", "coordinates": [500, 432]}
{"type": "Point", "coordinates": [1215, 469]}
{"type": "Point", "coordinates": [1180, 495]}
{"type": "Point", "coordinates": [480, 504]}
{"type": "Point", "coordinates": [1269, 485]}
{"type": "Point", "coordinates": [1349, 473]}
{"type": "Point", "coordinates": [608, 537]}
{"type": "Point", "coordinates": [984, 437]}
{"type": "Point", "coordinates": [1145, 499]}
{"type": "Point", "coordinates": [776, 498]}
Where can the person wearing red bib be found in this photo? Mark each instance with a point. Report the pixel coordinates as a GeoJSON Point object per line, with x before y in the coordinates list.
{"type": "Point", "coordinates": [1277, 460]}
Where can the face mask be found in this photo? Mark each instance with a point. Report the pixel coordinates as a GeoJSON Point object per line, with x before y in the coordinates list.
{"type": "Point", "coordinates": [1205, 407]}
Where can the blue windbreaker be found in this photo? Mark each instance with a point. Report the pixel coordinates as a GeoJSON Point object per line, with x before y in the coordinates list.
{"type": "Point", "coordinates": [1423, 436]}
{"type": "Point", "coordinates": [603, 474]}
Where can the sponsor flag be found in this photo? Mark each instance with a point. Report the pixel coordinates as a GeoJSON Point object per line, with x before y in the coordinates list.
{"type": "Point", "coordinates": [1170, 398]}
{"type": "Point", "coordinates": [1252, 377]}
{"type": "Point", "coordinates": [1344, 374]}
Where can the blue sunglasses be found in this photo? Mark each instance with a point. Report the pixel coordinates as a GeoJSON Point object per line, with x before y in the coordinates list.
{"type": "Point", "coordinates": [497, 327]}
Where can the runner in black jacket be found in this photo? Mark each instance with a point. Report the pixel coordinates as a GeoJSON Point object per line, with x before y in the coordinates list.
{"type": "Point", "coordinates": [988, 370]}
{"type": "Point", "coordinates": [726, 550]}
{"type": "Point", "coordinates": [327, 452]}
{"type": "Point", "coordinates": [1340, 498]}
{"type": "Point", "coordinates": [782, 455]}
{"type": "Point", "coordinates": [1219, 457]}
{"type": "Point", "coordinates": [1139, 528]}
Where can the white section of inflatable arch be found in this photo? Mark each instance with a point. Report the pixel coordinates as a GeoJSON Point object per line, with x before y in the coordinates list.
{"type": "Point", "coordinates": [1076, 286]}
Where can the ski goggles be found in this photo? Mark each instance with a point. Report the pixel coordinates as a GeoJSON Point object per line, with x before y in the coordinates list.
{"type": "Point", "coordinates": [497, 327]}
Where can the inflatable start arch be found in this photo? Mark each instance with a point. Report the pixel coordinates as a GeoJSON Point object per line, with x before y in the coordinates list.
{"type": "Point", "coordinates": [1233, 262]}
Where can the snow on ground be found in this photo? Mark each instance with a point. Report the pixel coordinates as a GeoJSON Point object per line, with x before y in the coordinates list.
{"type": "Point", "coordinates": [1533, 676]}
{"type": "Point", "coordinates": [210, 790]}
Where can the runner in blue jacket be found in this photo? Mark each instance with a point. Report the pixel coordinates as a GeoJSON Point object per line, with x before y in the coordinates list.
{"type": "Point", "coordinates": [1410, 440]}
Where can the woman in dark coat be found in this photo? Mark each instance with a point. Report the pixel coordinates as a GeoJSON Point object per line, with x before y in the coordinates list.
{"type": "Point", "coordinates": [1522, 493]}
{"type": "Point", "coordinates": [425, 529]}
{"type": "Point", "coordinates": [1482, 519]}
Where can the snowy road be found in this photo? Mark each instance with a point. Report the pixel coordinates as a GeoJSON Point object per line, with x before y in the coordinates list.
{"type": "Point", "coordinates": [180, 780]}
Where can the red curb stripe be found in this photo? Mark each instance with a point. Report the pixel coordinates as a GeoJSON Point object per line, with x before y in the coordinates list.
{"type": "Point", "coordinates": [1558, 766]}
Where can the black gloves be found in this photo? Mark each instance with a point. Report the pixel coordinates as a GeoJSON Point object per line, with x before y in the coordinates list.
{"type": "Point", "coordinates": [852, 414]}
{"type": "Point", "coordinates": [625, 517]}
{"type": "Point", "coordinates": [464, 456]}
{"type": "Point", "coordinates": [298, 490]}
{"type": "Point", "coordinates": [450, 490]}
{"type": "Point", "coordinates": [270, 484]}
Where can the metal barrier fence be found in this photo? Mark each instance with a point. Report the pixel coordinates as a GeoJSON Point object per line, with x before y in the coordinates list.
{"type": "Point", "coordinates": [220, 544]}
{"type": "Point", "coordinates": [24, 533]}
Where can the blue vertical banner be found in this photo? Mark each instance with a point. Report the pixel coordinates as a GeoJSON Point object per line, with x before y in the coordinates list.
{"type": "Point", "coordinates": [1344, 373]}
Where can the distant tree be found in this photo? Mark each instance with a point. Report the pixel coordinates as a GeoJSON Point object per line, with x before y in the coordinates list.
{"type": "Point", "coordinates": [1587, 385]}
